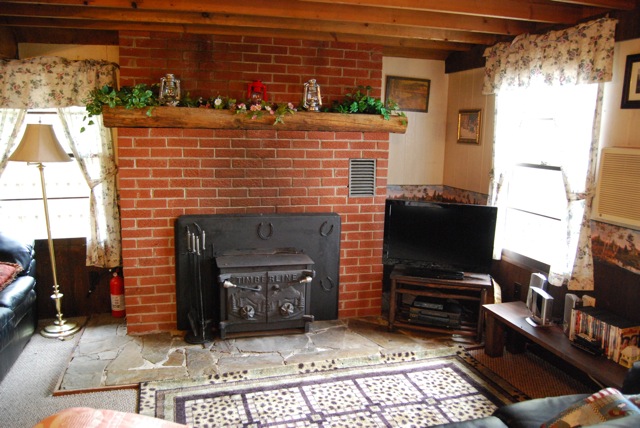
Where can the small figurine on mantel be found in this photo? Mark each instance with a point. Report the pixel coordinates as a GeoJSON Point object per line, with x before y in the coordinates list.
{"type": "Point", "coordinates": [169, 90]}
{"type": "Point", "coordinates": [311, 100]}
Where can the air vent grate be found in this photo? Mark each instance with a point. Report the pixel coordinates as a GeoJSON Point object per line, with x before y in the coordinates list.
{"type": "Point", "coordinates": [618, 195]}
{"type": "Point", "coordinates": [362, 177]}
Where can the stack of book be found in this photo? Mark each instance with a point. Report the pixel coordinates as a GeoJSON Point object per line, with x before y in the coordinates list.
{"type": "Point", "coordinates": [603, 333]}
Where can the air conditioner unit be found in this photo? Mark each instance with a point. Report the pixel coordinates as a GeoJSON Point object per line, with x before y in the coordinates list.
{"type": "Point", "coordinates": [618, 193]}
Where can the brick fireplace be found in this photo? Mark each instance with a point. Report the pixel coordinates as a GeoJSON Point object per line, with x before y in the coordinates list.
{"type": "Point", "coordinates": [168, 172]}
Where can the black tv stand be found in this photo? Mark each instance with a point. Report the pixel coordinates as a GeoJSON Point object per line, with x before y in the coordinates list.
{"type": "Point", "coordinates": [422, 272]}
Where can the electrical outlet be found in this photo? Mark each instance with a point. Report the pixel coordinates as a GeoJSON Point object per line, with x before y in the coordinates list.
{"type": "Point", "coordinates": [517, 288]}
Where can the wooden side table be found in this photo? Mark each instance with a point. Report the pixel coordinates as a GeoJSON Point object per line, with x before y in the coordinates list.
{"type": "Point", "coordinates": [474, 287]}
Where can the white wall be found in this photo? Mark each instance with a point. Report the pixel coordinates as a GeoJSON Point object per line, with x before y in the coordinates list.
{"type": "Point", "coordinates": [72, 52]}
{"type": "Point", "coordinates": [417, 157]}
{"type": "Point", "coordinates": [620, 127]}
{"type": "Point", "coordinates": [467, 166]}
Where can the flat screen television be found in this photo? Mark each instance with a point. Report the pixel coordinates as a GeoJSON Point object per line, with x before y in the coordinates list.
{"type": "Point", "coordinates": [439, 236]}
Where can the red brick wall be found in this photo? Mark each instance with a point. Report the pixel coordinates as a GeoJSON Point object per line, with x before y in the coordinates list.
{"type": "Point", "coordinates": [165, 173]}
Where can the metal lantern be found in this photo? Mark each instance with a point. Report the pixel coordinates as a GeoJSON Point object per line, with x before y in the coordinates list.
{"type": "Point", "coordinates": [257, 92]}
{"type": "Point", "coordinates": [311, 99]}
{"type": "Point", "coordinates": [169, 90]}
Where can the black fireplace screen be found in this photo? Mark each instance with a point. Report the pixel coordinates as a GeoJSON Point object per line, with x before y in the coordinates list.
{"type": "Point", "coordinates": [317, 235]}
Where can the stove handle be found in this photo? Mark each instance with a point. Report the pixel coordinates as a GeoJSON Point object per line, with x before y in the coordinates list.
{"type": "Point", "coordinates": [229, 284]}
{"type": "Point", "coordinates": [308, 276]}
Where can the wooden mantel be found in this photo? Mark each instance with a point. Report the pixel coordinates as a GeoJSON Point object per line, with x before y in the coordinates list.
{"type": "Point", "coordinates": [183, 117]}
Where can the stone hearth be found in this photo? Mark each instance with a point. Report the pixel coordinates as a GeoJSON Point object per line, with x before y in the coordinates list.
{"type": "Point", "coordinates": [107, 357]}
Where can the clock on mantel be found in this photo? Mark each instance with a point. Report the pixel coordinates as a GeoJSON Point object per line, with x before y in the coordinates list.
{"type": "Point", "coordinates": [184, 117]}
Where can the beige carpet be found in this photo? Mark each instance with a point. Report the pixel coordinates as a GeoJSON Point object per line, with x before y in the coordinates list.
{"type": "Point", "coordinates": [26, 393]}
{"type": "Point", "coordinates": [531, 374]}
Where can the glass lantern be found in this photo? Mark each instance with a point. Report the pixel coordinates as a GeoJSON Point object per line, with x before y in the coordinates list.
{"type": "Point", "coordinates": [311, 99]}
{"type": "Point", "coordinates": [169, 90]}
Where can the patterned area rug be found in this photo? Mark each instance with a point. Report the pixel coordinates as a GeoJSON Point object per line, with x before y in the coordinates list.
{"type": "Point", "coordinates": [393, 391]}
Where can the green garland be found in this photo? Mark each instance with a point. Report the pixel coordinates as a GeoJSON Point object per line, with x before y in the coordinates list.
{"type": "Point", "coordinates": [143, 96]}
{"type": "Point", "coordinates": [360, 102]}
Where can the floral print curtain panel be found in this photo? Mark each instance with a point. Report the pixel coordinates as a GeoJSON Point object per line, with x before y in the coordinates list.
{"type": "Point", "coordinates": [50, 82]}
{"type": "Point", "coordinates": [11, 127]}
{"type": "Point", "coordinates": [578, 55]}
{"type": "Point", "coordinates": [53, 82]}
{"type": "Point", "coordinates": [99, 169]}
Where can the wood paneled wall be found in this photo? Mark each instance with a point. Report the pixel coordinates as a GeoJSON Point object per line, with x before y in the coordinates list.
{"type": "Point", "coordinates": [616, 289]}
{"type": "Point", "coordinates": [75, 280]}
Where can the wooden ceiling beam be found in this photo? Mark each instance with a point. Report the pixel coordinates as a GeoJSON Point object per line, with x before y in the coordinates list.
{"type": "Point", "coordinates": [8, 43]}
{"type": "Point", "coordinates": [415, 53]}
{"type": "Point", "coordinates": [425, 28]}
{"type": "Point", "coordinates": [426, 45]}
{"type": "Point", "coordinates": [607, 4]}
{"type": "Point", "coordinates": [310, 11]}
{"type": "Point", "coordinates": [527, 10]}
{"type": "Point", "coordinates": [190, 18]}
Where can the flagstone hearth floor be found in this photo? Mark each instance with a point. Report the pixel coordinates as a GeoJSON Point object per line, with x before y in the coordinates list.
{"type": "Point", "coordinates": [106, 357]}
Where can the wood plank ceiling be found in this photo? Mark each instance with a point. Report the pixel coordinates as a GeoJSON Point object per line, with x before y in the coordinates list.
{"type": "Point", "coordinates": [431, 29]}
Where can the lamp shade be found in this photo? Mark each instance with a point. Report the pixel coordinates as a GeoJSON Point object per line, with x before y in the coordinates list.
{"type": "Point", "coordinates": [39, 144]}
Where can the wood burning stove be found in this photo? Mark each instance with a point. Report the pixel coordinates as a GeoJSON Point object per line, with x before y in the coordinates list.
{"type": "Point", "coordinates": [264, 290]}
{"type": "Point", "coordinates": [290, 242]}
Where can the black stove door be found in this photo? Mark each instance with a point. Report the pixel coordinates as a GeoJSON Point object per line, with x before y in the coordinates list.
{"type": "Point", "coordinates": [287, 296]}
{"type": "Point", "coordinates": [246, 302]}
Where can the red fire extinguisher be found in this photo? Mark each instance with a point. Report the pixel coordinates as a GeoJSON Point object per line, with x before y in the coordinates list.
{"type": "Point", "coordinates": [117, 295]}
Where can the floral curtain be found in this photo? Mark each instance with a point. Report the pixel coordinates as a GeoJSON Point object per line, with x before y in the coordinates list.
{"type": "Point", "coordinates": [577, 55]}
{"type": "Point", "coordinates": [48, 82]}
{"type": "Point", "coordinates": [577, 269]}
{"type": "Point", "coordinates": [580, 54]}
{"type": "Point", "coordinates": [53, 82]}
{"type": "Point", "coordinates": [98, 165]}
{"type": "Point", "coordinates": [11, 127]}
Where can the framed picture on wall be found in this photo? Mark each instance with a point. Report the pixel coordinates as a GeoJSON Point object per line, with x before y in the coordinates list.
{"type": "Point", "coordinates": [410, 94]}
{"type": "Point", "coordinates": [631, 87]}
{"type": "Point", "coordinates": [469, 122]}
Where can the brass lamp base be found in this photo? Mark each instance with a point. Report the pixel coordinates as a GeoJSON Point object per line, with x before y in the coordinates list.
{"type": "Point", "coordinates": [59, 330]}
{"type": "Point", "coordinates": [60, 327]}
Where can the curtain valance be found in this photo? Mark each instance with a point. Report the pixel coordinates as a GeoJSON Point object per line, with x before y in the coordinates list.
{"type": "Point", "coordinates": [580, 54]}
{"type": "Point", "coordinates": [47, 82]}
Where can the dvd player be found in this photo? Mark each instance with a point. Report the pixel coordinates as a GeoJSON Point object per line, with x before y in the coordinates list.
{"type": "Point", "coordinates": [434, 273]}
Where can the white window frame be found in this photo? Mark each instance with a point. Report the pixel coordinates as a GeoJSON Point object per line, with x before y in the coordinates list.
{"type": "Point", "coordinates": [529, 141]}
{"type": "Point", "coordinates": [21, 203]}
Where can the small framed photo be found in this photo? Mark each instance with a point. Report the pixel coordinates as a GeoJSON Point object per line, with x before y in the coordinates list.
{"type": "Point", "coordinates": [631, 87]}
{"type": "Point", "coordinates": [469, 122]}
{"type": "Point", "coordinates": [410, 94]}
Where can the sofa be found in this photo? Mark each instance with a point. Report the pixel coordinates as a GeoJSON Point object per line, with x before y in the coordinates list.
{"type": "Point", "coordinates": [18, 317]}
{"type": "Point", "coordinates": [534, 413]}
{"type": "Point", "coordinates": [83, 417]}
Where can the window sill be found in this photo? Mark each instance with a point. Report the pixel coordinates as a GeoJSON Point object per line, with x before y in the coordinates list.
{"type": "Point", "coordinates": [524, 262]}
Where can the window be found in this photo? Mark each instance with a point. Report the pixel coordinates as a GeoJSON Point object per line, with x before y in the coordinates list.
{"type": "Point", "coordinates": [543, 136]}
{"type": "Point", "coordinates": [67, 192]}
